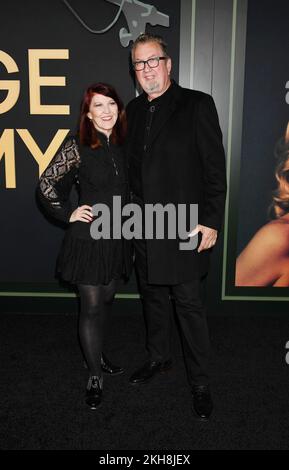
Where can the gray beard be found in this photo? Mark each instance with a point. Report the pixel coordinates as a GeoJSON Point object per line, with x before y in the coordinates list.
{"type": "Point", "coordinates": [152, 87]}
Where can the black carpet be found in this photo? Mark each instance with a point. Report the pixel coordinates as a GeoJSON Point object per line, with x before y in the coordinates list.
{"type": "Point", "coordinates": [43, 383]}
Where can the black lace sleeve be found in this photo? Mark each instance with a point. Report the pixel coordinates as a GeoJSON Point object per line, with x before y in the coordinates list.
{"type": "Point", "coordinates": [56, 181]}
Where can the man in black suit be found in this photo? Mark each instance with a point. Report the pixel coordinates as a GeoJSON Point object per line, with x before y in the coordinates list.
{"type": "Point", "coordinates": [175, 155]}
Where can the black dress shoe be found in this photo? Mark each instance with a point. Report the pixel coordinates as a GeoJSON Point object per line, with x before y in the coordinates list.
{"type": "Point", "coordinates": [149, 370]}
{"type": "Point", "coordinates": [94, 392]}
{"type": "Point", "coordinates": [202, 402]}
{"type": "Point", "coordinates": [109, 368]}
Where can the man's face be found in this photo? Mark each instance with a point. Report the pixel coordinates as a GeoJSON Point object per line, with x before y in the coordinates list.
{"type": "Point", "coordinates": [154, 81]}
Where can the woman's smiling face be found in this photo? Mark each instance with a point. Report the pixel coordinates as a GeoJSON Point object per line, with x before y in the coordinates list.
{"type": "Point", "coordinates": [103, 112]}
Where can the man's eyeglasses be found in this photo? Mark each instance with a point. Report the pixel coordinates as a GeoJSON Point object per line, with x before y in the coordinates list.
{"type": "Point", "coordinates": [152, 63]}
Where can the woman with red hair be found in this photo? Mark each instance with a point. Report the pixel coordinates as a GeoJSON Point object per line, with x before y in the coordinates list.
{"type": "Point", "coordinates": [94, 160]}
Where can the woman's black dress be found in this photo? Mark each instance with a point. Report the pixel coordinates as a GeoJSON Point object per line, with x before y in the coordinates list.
{"type": "Point", "coordinates": [99, 174]}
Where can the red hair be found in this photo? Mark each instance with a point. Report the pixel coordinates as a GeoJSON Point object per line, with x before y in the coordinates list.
{"type": "Point", "coordinates": [88, 134]}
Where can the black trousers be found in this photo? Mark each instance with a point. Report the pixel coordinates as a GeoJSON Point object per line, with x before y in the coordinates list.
{"type": "Point", "coordinates": [191, 315]}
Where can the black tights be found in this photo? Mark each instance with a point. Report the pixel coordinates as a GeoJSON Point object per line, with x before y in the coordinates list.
{"type": "Point", "coordinates": [94, 305]}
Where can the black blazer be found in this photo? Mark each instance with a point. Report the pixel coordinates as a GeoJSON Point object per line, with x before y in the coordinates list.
{"type": "Point", "coordinates": [183, 163]}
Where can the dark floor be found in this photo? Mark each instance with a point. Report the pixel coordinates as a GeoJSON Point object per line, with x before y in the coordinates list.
{"type": "Point", "coordinates": [43, 383]}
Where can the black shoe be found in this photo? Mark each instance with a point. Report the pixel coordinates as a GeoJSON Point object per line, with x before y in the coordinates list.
{"type": "Point", "coordinates": [94, 392]}
{"type": "Point", "coordinates": [149, 370]}
{"type": "Point", "coordinates": [108, 368]}
{"type": "Point", "coordinates": [202, 402]}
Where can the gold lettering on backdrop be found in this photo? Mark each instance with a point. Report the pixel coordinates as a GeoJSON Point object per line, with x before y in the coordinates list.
{"type": "Point", "coordinates": [12, 86]}
{"type": "Point", "coordinates": [36, 81]}
{"type": "Point", "coordinates": [7, 149]}
{"type": "Point", "coordinates": [43, 159]}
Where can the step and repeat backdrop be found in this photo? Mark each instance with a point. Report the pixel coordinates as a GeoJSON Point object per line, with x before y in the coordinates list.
{"type": "Point", "coordinates": [50, 51]}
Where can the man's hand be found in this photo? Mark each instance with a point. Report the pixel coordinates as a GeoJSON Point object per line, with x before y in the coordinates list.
{"type": "Point", "coordinates": [209, 237]}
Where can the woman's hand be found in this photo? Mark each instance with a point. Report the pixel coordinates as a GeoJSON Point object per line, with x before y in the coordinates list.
{"type": "Point", "coordinates": [82, 213]}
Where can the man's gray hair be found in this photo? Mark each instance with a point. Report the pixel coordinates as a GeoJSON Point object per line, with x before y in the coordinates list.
{"type": "Point", "coordinates": [144, 38]}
